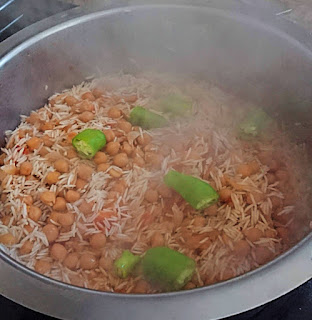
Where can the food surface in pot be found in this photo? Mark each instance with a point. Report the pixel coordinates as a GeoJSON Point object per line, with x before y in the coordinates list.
{"type": "Point", "coordinates": [143, 185]}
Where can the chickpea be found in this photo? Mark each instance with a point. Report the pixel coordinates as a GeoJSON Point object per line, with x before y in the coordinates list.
{"type": "Point", "coordinates": [8, 169]}
{"type": "Point", "coordinates": [270, 233]}
{"type": "Point", "coordinates": [98, 240]}
{"type": "Point", "coordinates": [61, 165]}
{"type": "Point", "coordinates": [6, 220]}
{"type": "Point", "coordinates": [58, 252]}
{"type": "Point", "coordinates": [120, 160]}
{"type": "Point", "coordinates": [51, 232]}
{"type": "Point", "coordinates": [263, 255]}
{"type": "Point", "coordinates": [26, 248]}
{"type": "Point", "coordinates": [119, 187]}
{"type": "Point", "coordinates": [97, 92]}
{"type": "Point", "coordinates": [100, 157]}
{"type": "Point", "coordinates": [84, 172]}
{"type": "Point", "coordinates": [48, 198]}
{"type": "Point", "coordinates": [88, 96]}
{"type": "Point", "coordinates": [114, 113]}
{"type": "Point", "coordinates": [141, 287]}
{"type": "Point", "coordinates": [80, 184]}
{"type": "Point", "coordinates": [211, 211]}
{"type": "Point", "coordinates": [157, 240]}
{"type": "Point", "coordinates": [66, 219]}
{"type": "Point", "coordinates": [226, 239]}
{"type": "Point", "coordinates": [115, 173]}
{"type": "Point", "coordinates": [199, 221]}
{"type": "Point", "coordinates": [151, 195]}
{"type": "Point", "coordinates": [112, 195]}
{"type": "Point", "coordinates": [27, 199]}
{"type": "Point", "coordinates": [106, 263]}
{"type": "Point", "coordinates": [244, 169]}
{"type": "Point", "coordinates": [2, 158]}
{"type": "Point", "coordinates": [28, 229]}
{"type": "Point", "coordinates": [109, 134]}
{"type": "Point", "coordinates": [276, 202]}
{"type": "Point", "coordinates": [47, 141]}
{"type": "Point", "coordinates": [53, 217]}
{"type": "Point", "coordinates": [112, 148]}
{"type": "Point", "coordinates": [227, 274]}
{"type": "Point", "coordinates": [164, 191]}
{"type": "Point", "coordinates": [88, 261]}
{"type": "Point", "coordinates": [34, 213]}
{"type": "Point", "coordinates": [33, 118]}
{"type": "Point", "coordinates": [8, 239]}
{"type": "Point", "coordinates": [46, 126]}
{"type": "Point", "coordinates": [71, 153]}
{"type": "Point", "coordinates": [71, 136]}
{"type": "Point", "coordinates": [43, 151]}
{"type": "Point", "coordinates": [42, 266]}
{"type": "Point", "coordinates": [52, 177]}
{"type": "Point", "coordinates": [85, 106]}
{"type": "Point", "coordinates": [70, 100]}
{"type": "Point", "coordinates": [271, 178]}
{"type": "Point", "coordinates": [283, 234]}
{"type": "Point", "coordinates": [225, 195]}
{"type": "Point", "coordinates": [86, 116]}
{"type": "Point", "coordinates": [26, 168]}
{"type": "Point", "coordinates": [86, 207]}
{"type": "Point", "coordinates": [71, 261]}
{"type": "Point", "coordinates": [253, 234]}
{"type": "Point", "coordinates": [241, 248]}
{"type": "Point", "coordinates": [154, 159]}
{"type": "Point", "coordinates": [126, 148]}
{"type": "Point", "coordinates": [72, 196]}
{"type": "Point", "coordinates": [138, 161]}
{"type": "Point", "coordinates": [145, 140]}
{"type": "Point", "coordinates": [124, 125]}
{"type": "Point", "coordinates": [60, 204]}
{"type": "Point", "coordinates": [33, 143]}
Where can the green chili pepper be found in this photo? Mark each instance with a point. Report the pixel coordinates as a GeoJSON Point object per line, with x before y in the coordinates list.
{"type": "Point", "coordinates": [175, 104]}
{"type": "Point", "coordinates": [126, 263]}
{"type": "Point", "coordinates": [254, 124]}
{"type": "Point", "coordinates": [167, 268]}
{"type": "Point", "coordinates": [88, 142]}
{"type": "Point", "coordinates": [198, 193]}
{"type": "Point", "coordinates": [146, 119]}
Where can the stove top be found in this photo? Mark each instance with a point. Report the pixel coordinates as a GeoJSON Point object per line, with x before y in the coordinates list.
{"type": "Point", "coordinates": [18, 14]}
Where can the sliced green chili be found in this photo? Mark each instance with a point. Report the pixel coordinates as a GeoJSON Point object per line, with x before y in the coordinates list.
{"type": "Point", "coordinates": [175, 104]}
{"type": "Point", "coordinates": [146, 119]}
{"type": "Point", "coordinates": [198, 193]}
{"type": "Point", "coordinates": [254, 124]}
{"type": "Point", "coordinates": [167, 268]}
{"type": "Point", "coordinates": [126, 263]}
{"type": "Point", "coordinates": [88, 142]}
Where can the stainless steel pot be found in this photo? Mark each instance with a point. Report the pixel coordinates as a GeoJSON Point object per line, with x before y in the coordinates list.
{"type": "Point", "coordinates": [252, 53]}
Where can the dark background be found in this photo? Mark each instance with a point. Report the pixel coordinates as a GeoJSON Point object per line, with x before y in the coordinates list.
{"type": "Point", "coordinates": [16, 15]}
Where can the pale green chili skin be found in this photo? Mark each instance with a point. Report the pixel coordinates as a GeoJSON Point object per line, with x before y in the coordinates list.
{"type": "Point", "coordinates": [175, 104]}
{"type": "Point", "coordinates": [254, 124]}
{"type": "Point", "coordinates": [146, 119]}
{"type": "Point", "coordinates": [198, 193]}
{"type": "Point", "coordinates": [166, 268]}
{"type": "Point", "coordinates": [125, 264]}
{"type": "Point", "coordinates": [88, 142]}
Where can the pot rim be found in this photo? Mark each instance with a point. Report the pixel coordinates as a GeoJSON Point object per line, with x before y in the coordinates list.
{"type": "Point", "coordinates": [296, 258]}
